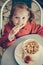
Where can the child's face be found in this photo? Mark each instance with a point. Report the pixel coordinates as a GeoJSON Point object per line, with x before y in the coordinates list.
{"type": "Point", "coordinates": [20, 16]}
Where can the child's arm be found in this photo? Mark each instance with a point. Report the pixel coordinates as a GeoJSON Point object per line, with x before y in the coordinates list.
{"type": "Point", "coordinates": [4, 41]}
{"type": "Point", "coordinates": [10, 38]}
{"type": "Point", "coordinates": [38, 29]}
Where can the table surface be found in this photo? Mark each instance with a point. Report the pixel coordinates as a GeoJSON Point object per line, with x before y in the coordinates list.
{"type": "Point", "coordinates": [8, 57]}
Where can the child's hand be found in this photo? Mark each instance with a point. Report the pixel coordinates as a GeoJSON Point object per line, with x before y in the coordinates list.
{"type": "Point", "coordinates": [22, 25]}
{"type": "Point", "coordinates": [13, 32]}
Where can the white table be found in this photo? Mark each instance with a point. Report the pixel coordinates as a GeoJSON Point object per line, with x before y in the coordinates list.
{"type": "Point", "coordinates": [8, 58]}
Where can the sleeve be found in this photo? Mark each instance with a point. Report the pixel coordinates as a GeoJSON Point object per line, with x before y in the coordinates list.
{"type": "Point", "coordinates": [37, 29]}
{"type": "Point", "coordinates": [4, 42]}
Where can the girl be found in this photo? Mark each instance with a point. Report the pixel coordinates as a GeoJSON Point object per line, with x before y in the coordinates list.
{"type": "Point", "coordinates": [21, 22]}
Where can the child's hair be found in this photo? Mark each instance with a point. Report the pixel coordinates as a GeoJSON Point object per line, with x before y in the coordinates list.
{"type": "Point", "coordinates": [23, 6]}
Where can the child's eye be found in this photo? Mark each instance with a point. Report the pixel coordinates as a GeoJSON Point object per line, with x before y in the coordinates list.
{"type": "Point", "coordinates": [16, 17]}
{"type": "Point", "coordinates": [23, 18]}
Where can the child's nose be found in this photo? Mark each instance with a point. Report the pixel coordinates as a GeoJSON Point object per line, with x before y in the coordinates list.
{"type": "Point", "coordinates": [20, 20]}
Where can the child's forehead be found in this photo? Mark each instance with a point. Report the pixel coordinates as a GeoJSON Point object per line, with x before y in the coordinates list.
{"type": "Point", "coordinates": [21, 10]}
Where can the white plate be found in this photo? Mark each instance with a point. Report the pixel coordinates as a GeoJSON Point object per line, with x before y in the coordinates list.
{"type": "Point", "coordinates": [8, 56]}
{"type": "Point", "coordinates": [18, 55]}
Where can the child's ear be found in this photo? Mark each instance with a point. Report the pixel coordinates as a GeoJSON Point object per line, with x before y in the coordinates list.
{"type": "Point", "coordinates": [32, 16]}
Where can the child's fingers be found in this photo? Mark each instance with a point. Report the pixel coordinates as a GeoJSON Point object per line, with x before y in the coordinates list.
{"type": "Point", "coordinates": [12, 33]}
{"type": "Point", "coordinates": [21, 26]}
{"type": "Point", "coordinates": [11, 37]}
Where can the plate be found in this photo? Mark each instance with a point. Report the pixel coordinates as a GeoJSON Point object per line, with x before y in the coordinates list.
{"type": "Point", "coordinates": [8, 56]}
{"type": "Point", "coordinates": [18, 54]}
